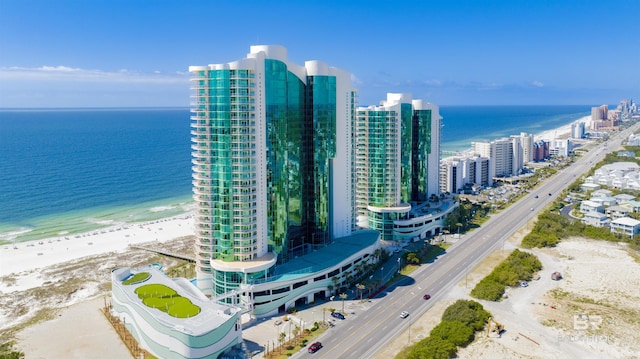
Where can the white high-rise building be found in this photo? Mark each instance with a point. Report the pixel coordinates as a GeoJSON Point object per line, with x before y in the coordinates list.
{"type": "Point", "coordinates": [577, 130]}
{"type": "Point", "coordinates": [456, 172]}
{"type": "Point", "coordinates": [506, 155]}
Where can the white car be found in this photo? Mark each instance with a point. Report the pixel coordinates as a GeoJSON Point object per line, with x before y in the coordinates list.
{"type": "Point", "coordinates": [404, 314]}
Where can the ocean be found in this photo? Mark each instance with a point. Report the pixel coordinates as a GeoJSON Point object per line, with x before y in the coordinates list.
{"type": "Point", "coordinates": [66, 171]}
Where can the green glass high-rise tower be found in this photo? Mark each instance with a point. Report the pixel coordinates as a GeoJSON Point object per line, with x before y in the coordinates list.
{"type": "Point", "coordinates": [272, 164]}
{"type": "Point", "coordinates": [397, 163]}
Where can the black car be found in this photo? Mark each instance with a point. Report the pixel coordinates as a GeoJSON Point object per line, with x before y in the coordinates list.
{"type": "Point", "coordinates": [315, 347]}
{"type": "Point", "coordinates": [337, 315]}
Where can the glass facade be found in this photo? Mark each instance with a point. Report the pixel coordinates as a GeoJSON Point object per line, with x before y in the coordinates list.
{"type": "Point", "coordinates": [224, 171]}
{"type": "Point", "coordinates": [300, 121]}
{"type": "Point", "coordinates": [406, 151]}
{"type": "Point", "coordinates": [421, 148]}
{"type": "Point", "coordinates": [393, 144]}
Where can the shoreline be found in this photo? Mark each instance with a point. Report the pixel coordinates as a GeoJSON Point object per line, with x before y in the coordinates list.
{"type": "Point", "coordinates": [36, 254]}
{"type": "Point", "coordinates": [19, 256]}
{"type": "Point", "coordinates": [561, 132]}
{"type": "Point", "coordinates": [88, 220]}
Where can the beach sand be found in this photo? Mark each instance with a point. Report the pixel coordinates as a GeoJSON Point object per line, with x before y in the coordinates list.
{"type": "Point", "coordinates": [562, 132]}
{"type": "Point", "coordinates": [79, 331]}
{"type": "Point", "coordinates": [27, 256]}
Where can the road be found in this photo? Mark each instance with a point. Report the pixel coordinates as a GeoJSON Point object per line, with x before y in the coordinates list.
{"type": "Point", "coordinates": [373, 326]}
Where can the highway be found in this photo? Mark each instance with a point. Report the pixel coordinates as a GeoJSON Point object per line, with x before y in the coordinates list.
{"type": "Point", "coordinates": [374, 325]}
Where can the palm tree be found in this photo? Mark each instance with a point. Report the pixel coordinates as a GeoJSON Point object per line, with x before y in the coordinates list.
{"type": "Point", "coordinates": [343, 296]}
{"type": "Point", "coordinates": [360, 289]}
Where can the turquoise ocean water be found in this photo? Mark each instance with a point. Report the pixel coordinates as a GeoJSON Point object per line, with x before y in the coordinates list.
{"type": "Point", "coordinates": [66, 171]}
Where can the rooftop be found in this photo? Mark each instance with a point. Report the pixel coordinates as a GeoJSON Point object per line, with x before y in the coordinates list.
{"type": "Point", "coordinates": [325, 257]}
{"type": "Point", "coordinates": [211, 316]}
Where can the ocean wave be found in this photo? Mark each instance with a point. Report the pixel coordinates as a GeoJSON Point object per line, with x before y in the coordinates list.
{"type": "Point", "coordinates": [10, 236]}
{"type": "Point", "coordinates": [104, 222]}
{"type": "Point", "coordinates": [161, 208]}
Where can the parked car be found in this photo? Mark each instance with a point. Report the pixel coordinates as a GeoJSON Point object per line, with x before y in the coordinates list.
{"type": "Point", "coordinates": [404, 314]}
{"type": "Point", "coordinates": [315, 347]}
{"type": "Point", "coordinates": [337, 315]}
{"type": "Point", "coordinates": [426, 297]}
{"type": "Point", "coordinates": [524, 284]}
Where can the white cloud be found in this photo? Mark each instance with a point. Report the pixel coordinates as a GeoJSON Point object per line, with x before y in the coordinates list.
{"type": "Point", "coordinates": [537, 83]}
{"type": "Point", "coordinates": [70, 74]}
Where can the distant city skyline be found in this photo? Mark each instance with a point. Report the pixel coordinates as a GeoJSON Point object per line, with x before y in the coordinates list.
{"type": "Point", "coordinates": [136, 54]}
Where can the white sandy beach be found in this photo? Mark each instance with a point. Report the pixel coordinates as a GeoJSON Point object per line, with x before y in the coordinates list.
{"type": "Point", "coordinates": [27, 256]}
{"type": "Point", "coordinates": [560, 132]}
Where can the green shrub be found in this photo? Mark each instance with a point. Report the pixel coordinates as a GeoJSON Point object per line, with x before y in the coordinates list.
{"type": "Point", "coordinates": [137, 278]}
{"type": "Point", "coordinates": [459, 323]}
{"type": "Point", "coordinates": [518, 266]}
{"type": "Point", "coordinates": [468, 312]}
{"type": "Point", "coordinates": [455, 332]}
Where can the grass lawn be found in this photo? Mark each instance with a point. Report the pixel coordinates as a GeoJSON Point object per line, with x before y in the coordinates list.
{"type": "Point", "coordinates": [161, 297]}
{"type": "Point", "coordinates": [137, 278]}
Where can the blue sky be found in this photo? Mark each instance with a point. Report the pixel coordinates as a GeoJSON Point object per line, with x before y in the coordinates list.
{"type": "Point", "coordinates": [136, 53]}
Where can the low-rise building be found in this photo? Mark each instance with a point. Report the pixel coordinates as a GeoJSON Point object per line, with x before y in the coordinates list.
{"type": "Point", "coordinates": [626, 225]}
{"type": "Point", "coordinates": [634, 206]}
{"type": "Point", "coordinates": [587, 186]}
{"type": "Point", "coordinates": [605, 201]}
{"type": "Point", "coordinates": [601, 193]}
{"type": "Point", "coordinates": [623, 197]}
{"type": "Point", "coordinates": [596, 219]}
{"type": "Point", "coordinates": [615, 212]}
{"type": "Point", "coordinates": [171, 318]}
{"type": "Point", "coordinates": [591, 206]}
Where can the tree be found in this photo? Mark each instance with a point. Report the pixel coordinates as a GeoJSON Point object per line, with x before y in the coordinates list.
{"type": "Point", "coordinates": [455, 332]}
{"type": "Point", "coordinates": [281, 338]}
{"type": "Point", "coordinates": [296, 331]}
{"type": "Point", "coordinates": [412, 257]}
{"type": "Point", "coordinates": [343, 296]}
{"type": "Point", "coordinates": [468, 312]}
{"type": "Point", "coordinates": [360, 289]}
{"type": "Point", "coordinates": [437, 348]}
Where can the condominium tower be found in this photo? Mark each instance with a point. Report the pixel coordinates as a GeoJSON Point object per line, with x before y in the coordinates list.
{"type": "Point", "coordinates": [397, 156]}
{"type": "Point", "coordinates": [272, 164]}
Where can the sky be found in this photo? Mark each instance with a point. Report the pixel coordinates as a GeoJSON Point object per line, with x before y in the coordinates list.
{"type": "Point", "coordinates": [135, 53]}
